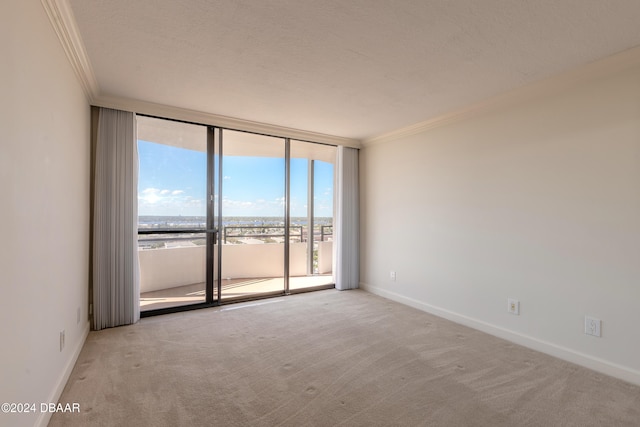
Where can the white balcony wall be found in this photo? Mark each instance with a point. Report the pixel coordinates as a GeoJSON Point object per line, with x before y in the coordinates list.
{"type": "Point", "coordinates": [325, 257]}
{"type": "Point", "coordinates": [262, 260]}
{"type": "Point", "coordinates": [173, 267]}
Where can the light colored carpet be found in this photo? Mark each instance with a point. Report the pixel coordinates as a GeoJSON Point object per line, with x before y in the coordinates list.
{"type": "Point", "coordinates": [330, 358]}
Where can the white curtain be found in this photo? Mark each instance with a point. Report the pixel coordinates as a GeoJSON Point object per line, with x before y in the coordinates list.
{"type": "Point", "coordinates": [116, 283]}
{"type": "Point", "coordinates": [347, 234]}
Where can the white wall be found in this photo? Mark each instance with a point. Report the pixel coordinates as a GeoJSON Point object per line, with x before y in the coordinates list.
{"type": "Point", "coordinates": [44, 218]}
{"type": "Point", "coordinates": [540, 202]}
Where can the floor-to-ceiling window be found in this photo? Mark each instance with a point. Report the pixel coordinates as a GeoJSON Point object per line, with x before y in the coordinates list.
{"type": "Point", "coordinates": [252, 239]}
{"type": "Point", "coordinates": [311, 211]}
{"type": "Point", "coordinates": [226, 215]}
{"type": "Point", "coordinates": [172, 209]}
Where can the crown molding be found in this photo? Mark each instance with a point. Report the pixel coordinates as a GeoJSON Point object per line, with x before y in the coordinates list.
{"type": "Point", "coordinates": [64, 24]}
{"type": "Point", "coordinates": [546, 87]}
{"type": "Point", "coordinates": [65, 27]}
{"type": "Point", "coordinates": [61, 17]}
{"type": "Point", "coordinates": [200, 117]}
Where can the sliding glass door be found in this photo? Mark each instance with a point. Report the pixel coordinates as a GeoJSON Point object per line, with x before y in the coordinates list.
{"type": "Point", "coordinates": [311, 211]}
{"type": "Point", "coordinates": [252, 239]}
{"type": "Point", "coordinates": [172, 213]}
{"type": "Point", "coordinates": [226, 215]}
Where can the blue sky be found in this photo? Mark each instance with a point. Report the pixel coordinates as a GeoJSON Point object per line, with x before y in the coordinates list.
{"type": "Point", "coordinates": [172, 181]}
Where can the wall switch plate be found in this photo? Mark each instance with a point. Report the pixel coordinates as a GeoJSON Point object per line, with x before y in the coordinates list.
{"type": "Point", "coordinates": [392, 275]}
{"type": "Point", "coordinates": [592, 326]}
{"type": "Point", "coordinates": [61, 340]}
{"type": "Point", "coordinates": [513, 306]}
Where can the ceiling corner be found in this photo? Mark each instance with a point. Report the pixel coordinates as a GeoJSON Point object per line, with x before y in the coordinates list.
{"type": "Point", "coordinates": [205, 118]}
{"type": "Point", "coordinates": [571, 78]}
{"type": "Point", "coordinates": [64, 24]}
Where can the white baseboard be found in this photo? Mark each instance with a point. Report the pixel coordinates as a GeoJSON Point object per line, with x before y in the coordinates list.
{"type": "Point", "coordinates": [585, 360]}
{"type": "Point", "coordinates": [45, 417]}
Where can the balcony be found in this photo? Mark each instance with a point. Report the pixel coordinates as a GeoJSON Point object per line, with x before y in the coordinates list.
{"type": "Point", "coordinates": [172, 268]}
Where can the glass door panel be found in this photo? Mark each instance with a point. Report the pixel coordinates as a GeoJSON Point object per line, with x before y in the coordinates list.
{"type": "Point", "coordinates": [172, 211]}
{"type": "Point", "coordinates": [252, 233]}
{"type": "Point", "coordinates": [311, 210]}
{"type": "Point", "coordinates": [213, 221]}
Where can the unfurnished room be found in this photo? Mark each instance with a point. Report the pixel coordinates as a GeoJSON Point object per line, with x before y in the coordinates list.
{"type": "Point", "coordinates": [320, 213]}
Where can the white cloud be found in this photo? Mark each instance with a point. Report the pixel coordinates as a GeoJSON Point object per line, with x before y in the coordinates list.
{"type": "Point", "coordinates": [149, 195]}
{"type": "Point", "coordinates": [230, 203]}
{"type": "Point", "coordinates": [258, 207]}
{"type": "Point", "coordinates": [155, 201]}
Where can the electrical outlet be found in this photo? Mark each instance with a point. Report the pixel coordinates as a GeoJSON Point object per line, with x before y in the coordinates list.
{"type": "Point", "coordinates": [592, 326]}
{"type": "Point", "coordinates": [513, 306]}
{"type": "Point", "coordinates": [61, 340]}
{"type": "Point", "coordinates": [392, 275]}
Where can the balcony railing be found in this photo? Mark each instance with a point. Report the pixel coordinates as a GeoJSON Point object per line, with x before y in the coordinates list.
{"type": "Point", "coordinates": [300, 236]}
{"type": "Point", "coordinates": [261, 232]}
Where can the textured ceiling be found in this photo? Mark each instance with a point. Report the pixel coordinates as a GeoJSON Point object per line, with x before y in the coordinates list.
{"type": "Point", "coordinates": [355, 68]}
